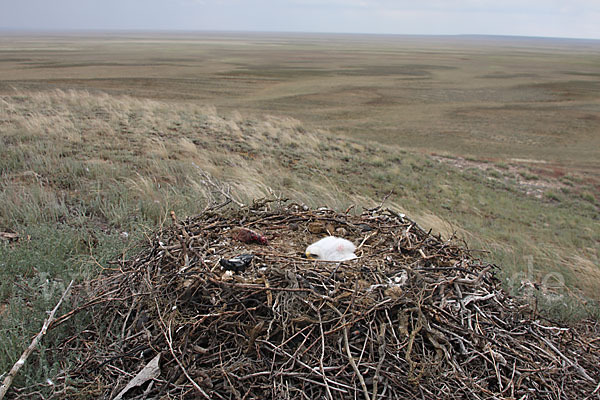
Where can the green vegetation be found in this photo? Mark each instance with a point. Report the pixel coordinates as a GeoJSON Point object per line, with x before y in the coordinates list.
{"type": "Point", "coordinates": [529, 176]}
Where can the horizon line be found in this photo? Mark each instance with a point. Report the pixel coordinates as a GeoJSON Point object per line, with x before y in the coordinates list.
{"type": "Point", "coordinates": [267, 32]}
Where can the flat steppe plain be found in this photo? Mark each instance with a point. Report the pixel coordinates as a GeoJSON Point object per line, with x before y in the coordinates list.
{"type": "Point", "coordinates": [495, 98]}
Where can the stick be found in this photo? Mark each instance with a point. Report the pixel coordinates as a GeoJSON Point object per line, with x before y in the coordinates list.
{"type": "Point", "coordinates": [597, 388]}
{"type": "Point", "coordinates": [208, 181]}
{"type": "Point", "coordinates": [15, 369]}
{"type": "Point", "coordinates": [380, 204]}
{"type": "Point", "coordinates": [329, 396]}
{"type": "Point", "coordinates": [578, 367]}
{"type": "Point", "coordinates": [167, 329]}
{"type": "Point", "coordinates": [381, 340]}
{"type": "Point", "coordinates": [353, 363]}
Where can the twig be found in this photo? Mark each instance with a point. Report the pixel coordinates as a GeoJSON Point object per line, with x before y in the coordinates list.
{"type": "Point", "coordinates": [597, 388]}
{"type": "Point", "coordinates": [367, 237]}
{"type": "Point", "coordinates": [323, 355]}
{"type": "Point", "coordinates": [305, 365]}
{"type": "Point", "coordinates": [15, 369]}
{"type": "Point", "coordinates": [169, 340]}
{"type": "Point", "coordinates": [382, 202]}
{"type": "Point", "coordinates": [477, 280]}
{"type": "Point", "coordinates": [208, 181]}
{"type": "Point", "coordinates": [578, 367]}
{"type": "Point", "coordinates": [353, 363]}
{"type": "Point", "coordinates": [381, 340]}
{"type": "Point", "coordinates": [496, 370]}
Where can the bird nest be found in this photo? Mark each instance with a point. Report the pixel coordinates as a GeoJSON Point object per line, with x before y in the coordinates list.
{"type": "Point", "coordinates": [414, 316]}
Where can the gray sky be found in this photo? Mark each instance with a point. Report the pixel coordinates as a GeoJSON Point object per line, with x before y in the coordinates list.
{"type": "Point", "coordinates": [555, 18]}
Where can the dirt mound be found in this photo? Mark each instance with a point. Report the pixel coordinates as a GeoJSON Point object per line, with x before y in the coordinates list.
{"type": "Point", "coordinates": [413, 317]}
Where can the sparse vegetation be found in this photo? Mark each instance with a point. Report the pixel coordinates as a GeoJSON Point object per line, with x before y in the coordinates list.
{"type": "Point", "coordinates": [494, 173]}
{"type": "Point", "coordinates": [553, 196]}
{"type": "Point", "coordinates": [529, 176]}
{"type": "Point", "coordinates": [589, 197]}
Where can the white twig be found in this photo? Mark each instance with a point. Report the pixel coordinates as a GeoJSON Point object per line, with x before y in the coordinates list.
{"type": "Point", "coordinates": [322, 367]}
{"type": "Point", "coordinates": [597, 388]}
{"type": "Point", "coordinates": [353, 363]}
{"type": "Point", "coordinates": [578, 367]}
{"type": "Point", "coordinates": [224, 190]}
{"type": "Point", "coordinates": [15, 369]}
{"type": "Point", "coordinates": [166, 331]}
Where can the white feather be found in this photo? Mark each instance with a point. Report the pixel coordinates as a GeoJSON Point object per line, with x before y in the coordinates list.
{"type": "Point", "coordinates": [332, 248]}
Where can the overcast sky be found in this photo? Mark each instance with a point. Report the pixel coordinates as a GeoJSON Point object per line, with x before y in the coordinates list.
{"type": "Point", "coordinates": [554, 18]}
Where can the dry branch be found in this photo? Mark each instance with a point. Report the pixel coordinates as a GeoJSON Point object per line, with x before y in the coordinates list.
{"type": "Point", "coordinates": [15, 369]}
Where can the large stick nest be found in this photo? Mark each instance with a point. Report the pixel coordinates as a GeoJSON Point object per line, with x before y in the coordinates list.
{"type": "Point", "coordinates": [413, 317]}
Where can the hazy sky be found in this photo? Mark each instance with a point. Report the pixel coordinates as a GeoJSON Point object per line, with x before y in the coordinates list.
{"type": "Point", "coordinates": [558, 18]}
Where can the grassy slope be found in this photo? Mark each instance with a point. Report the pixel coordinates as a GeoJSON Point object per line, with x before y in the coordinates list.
{"type": "Point", "coordinates": [495, 98]}
{"type": "Point", "coordinates": [78, 169]}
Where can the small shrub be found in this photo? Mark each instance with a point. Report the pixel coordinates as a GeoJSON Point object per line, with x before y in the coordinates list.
{"type": "Point", "coordinates": [587, 196]}
{"type": "Point", "coordinates": [529, 176]}
{"type": "Point", "coordinates": [494, 173]}
{"type": "Point", "coordinates": [553, 196]}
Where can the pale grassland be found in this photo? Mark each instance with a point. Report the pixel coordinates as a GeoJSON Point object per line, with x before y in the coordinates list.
{"type": "Point", "coordinates": [484, 97]}
{"type": "Point", "coordinates": [79, 169]}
